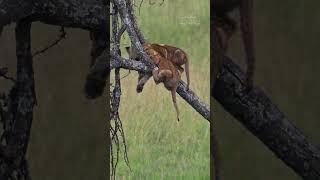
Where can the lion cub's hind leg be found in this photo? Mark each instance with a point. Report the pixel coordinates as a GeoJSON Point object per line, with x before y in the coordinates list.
{"type": "Point", "coordinates": [174, 100]}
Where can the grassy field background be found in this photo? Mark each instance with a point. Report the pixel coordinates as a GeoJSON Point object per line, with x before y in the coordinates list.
{"type": "Point", "coordinates": [158, 146]}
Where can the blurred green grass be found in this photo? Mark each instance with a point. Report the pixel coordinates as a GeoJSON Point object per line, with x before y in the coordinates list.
{"type": "Point", "coordinates": [158, 146]}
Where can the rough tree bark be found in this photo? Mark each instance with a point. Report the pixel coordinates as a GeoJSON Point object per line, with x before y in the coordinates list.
{"type": "Point", "coordinates": [261, 117]}
{"type": "Point", "coordinates": [137, 40]}
{"type": "Point", "coordinates": [18, 117]}
{"type": "Point", "coordinates": [16, 109]}
{"type": "Point", "coordinates": [188, 95]}
{"type": "Point", "coordinates": [84, 14]}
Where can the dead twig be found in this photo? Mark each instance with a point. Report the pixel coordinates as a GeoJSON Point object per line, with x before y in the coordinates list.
{"type": "Point", "coordinates": [3, 72]}
{"type": "Point", "coordinates": [60, 38]}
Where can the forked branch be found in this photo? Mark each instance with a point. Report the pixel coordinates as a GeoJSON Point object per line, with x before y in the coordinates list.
{"type": "Point", "coordinates": [188, 95]}
{"type": "Point", "coordinates": [127, 17]}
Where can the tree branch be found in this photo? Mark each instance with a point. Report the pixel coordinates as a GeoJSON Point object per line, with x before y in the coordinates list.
{"type": "Point", "coordinates": [17, 118]}
{"type": "Point", "coordinates": [13, 10]}
{"type": "Point", "coordinates": [85, 14]}
{"type": "Point", "coordinates": [260, 116]}
{"type": "Point", "coordinates": [253, 109]}
{"type": "Point", "coordinates": [126, 13]}
{"type": "Point", "coordinates": [188, 95]}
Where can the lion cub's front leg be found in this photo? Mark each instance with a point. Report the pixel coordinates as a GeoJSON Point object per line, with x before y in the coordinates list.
{"type": "Point", "coordinates": [142, 80]}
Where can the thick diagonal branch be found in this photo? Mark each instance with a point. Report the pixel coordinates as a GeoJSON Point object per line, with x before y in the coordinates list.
{"type": "Point", "coordinates": [188, 95]}
{"type": "Point", "coordinates": [127, 17]}
{"type": "Point", "coordinates": [260, 116]}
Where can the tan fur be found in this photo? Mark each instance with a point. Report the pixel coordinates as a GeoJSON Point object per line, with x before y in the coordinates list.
{"type": "Point", "coordinates": [176, 55]}
{"type": "Point", "coordinates": [143, 77]}
{"type": "Point", "coordinates": [166, 72]}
